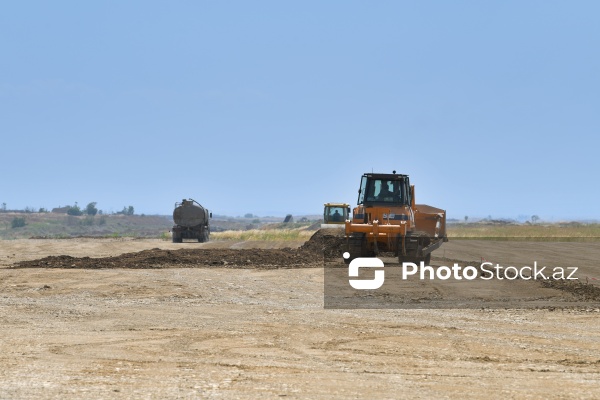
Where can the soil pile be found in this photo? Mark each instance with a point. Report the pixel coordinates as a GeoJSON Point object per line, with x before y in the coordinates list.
{"type": "Point", "coordinates": [584, 291]}
{"type": "Point", "coordinates": [157, 258]}
{"type": "Point", "coordinates": [308, 255]}
{"type": "Point", "coordinates": [331, 243]}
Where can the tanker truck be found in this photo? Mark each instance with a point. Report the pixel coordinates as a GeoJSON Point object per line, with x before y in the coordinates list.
{"type": "Point", "coordinates": [191, 221]}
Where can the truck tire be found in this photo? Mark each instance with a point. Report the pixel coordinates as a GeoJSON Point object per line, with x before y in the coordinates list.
{"type": "Point", "coordinates": [203, 236]}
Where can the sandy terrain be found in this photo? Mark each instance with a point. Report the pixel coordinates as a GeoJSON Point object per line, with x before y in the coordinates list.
{"type": "Point", "coordinates": [252, 332]}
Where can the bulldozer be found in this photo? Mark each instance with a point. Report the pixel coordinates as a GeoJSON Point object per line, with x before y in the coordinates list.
{"type": "Point", "coordinates": [387, 220]}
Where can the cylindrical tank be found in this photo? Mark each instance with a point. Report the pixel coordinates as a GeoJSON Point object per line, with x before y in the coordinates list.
{"type": "Point", "coordinates": [191, 222]}
{"type": "Point", "coordinates": [188, 214]}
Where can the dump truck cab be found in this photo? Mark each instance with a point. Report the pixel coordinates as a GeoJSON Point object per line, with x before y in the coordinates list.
{"type": "Point", "coordinates": [386, 219]}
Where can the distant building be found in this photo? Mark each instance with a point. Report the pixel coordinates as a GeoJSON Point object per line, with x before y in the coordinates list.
{"type": "Point", "coordinates": [61, 210]}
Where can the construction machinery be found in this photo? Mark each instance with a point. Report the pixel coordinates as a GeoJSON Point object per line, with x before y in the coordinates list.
{"type": "Point", "coordinates": [191, 221]}
{"type": "Point", "coordinates": [335, 215]}
{"type": "Point", "coordinates": [387, 219]}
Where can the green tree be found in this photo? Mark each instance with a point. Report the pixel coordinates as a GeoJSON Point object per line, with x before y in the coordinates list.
{"type": "Point", "coordinates": [534, 219]}
{"type": "Point", "coordinates": [127, 210]}
{"type": "Point", "coordinates": [466, 218]}
{"type": "Point", "coordinates": [3, 207]}
{"type": "Point", "coordinates": [91, 209]}
{"type": "Point", "coordinates": [74, 210]}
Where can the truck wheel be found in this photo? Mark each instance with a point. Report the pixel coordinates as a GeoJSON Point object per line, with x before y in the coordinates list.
{"type": "Point", "coordinates": [177, 239]}
{"type": "Point", "coordinates": [203, 237]}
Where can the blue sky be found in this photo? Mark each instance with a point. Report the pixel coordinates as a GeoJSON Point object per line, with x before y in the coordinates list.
{"type": "Point", "coordinates": [272, 107]}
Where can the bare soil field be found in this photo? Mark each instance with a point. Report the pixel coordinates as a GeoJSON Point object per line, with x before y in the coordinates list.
{"type": "Point", "coordinates": [145, 318]}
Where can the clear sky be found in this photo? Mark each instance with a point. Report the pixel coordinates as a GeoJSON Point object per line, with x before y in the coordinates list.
{"type": "Point", "coordinates": [275, 107]}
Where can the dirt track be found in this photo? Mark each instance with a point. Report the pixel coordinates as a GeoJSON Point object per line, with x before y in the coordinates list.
{"type": "Point", "coordinates": [210, 331]}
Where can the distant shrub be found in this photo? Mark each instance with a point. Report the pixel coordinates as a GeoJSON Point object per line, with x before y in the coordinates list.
{"type": "Point", "coordinates": [166, 236]}
{"type": "Point", "coordinates": [91, 209]}
{"type": "Point", "coordinates": [127, 210]}
{"type": "Point", "coordinates": [74, 210]}
{"type": "Point", "coordinates": [18, 222]}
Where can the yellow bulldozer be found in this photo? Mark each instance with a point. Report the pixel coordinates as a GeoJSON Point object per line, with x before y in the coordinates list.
{"type": "Point", "coordinates": [387, 219]}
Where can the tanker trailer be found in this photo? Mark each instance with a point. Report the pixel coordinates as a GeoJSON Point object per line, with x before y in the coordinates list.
{"type": "Point", "coordinates": [191, 221]}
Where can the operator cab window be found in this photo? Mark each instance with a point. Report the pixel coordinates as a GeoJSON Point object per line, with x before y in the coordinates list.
{"type": "Point", "coordinates": [363, 190]}
{"type": "Point", "coordinates": [386, 191]}
{"type": "Point", "coordinates": [336, 214]}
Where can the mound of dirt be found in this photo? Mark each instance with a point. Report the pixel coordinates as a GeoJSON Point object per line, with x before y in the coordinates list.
{"type": "Point", "coordinates": [329, 242]}
{"type": "Point", "coordinates": [156, 258]}
{"type": "Point", "coordinates": [584, 291]}
{"type": "Point", "coordinates": [324, 243]}
{"type": "Point", "coordinates": [309, 254]}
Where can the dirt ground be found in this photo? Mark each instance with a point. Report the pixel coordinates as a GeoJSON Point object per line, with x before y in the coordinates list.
{"type": "Point", "coordinates": [233, 323]}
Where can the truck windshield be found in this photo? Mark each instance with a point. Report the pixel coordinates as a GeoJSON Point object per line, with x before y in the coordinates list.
{"type": "Point", "coordinates": [387, 191]}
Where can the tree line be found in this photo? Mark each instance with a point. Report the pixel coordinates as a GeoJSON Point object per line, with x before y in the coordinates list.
{"type": "Point", "coordinates": [75, 209]}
